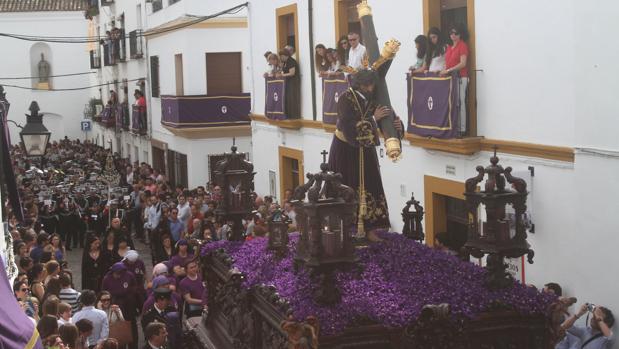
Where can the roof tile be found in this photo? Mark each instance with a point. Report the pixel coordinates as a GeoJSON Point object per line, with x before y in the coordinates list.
{"type": "Point", "coordinates": [42, 5]}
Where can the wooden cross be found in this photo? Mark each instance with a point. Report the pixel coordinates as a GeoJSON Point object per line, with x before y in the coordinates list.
{"type": "Point", "coordinates": [324, 156]}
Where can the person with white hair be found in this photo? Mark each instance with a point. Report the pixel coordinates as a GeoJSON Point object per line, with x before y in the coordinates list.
{"type": "Point", "coordinates": [135, 265]}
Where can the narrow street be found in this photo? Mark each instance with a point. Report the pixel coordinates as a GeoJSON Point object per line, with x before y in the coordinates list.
{"type": "Point", "coordinates": [74, 258]}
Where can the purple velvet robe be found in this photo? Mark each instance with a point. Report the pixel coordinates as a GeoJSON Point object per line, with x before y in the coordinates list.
{"type": "Point", "coordinates": [124, 292]}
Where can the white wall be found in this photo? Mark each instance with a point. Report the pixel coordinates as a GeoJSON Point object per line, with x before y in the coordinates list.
{"type": "Point", "coordinates": [548, 77]}
{"type": "Point", "coordinates": [191, 7]}
{"type": "Point", "coordinates": [193, 44]}
{"type": "Point", "coordinates": [65, 108]}
{"type": "Point", "coordinates": [130, 69]}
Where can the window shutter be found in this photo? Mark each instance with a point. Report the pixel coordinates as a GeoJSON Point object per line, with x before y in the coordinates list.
{"type": "Point", "coordinates": [154, 76]}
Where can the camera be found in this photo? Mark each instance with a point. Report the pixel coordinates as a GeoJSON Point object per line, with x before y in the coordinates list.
{"type": "Point", "coordinates": [590, 307]}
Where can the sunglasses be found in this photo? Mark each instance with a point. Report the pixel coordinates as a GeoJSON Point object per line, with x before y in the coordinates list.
{"type": "Point", "coordinates": [24, 290]}
{"type": "Point", "coordinates": [352, 39]}
{"type": "Point", "coordinates": [105, 299]}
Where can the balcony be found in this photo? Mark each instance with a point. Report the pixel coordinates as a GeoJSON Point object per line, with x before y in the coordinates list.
{"type": "Point", "coordinates": [95, 59]}
{"type": "Point", "coordinates": [109, 58]}
{"type": "Point", "coordinates": [183, 115]}
{"type": "Point", "coordinates": [108, 116]}
{"type": "Point", "coordinates": [139, 124]}
{"type": "Point", "coordinates": [123, 117]}
{"type": "Point", "coordinates": [135, 44]}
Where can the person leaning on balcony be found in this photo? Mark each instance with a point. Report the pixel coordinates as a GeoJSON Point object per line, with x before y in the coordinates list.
{"type": "Point", "coordinates": [335, 67]}
{"type": "Point", "coordinates": [435, 57]}
{"type": "Point", "coordinates": [320, 58]}
{"type": "Point", "coordinates": [274, 66]}
{"type": "Point", "coordinates": [290, 71]}
{"type": "Point", "coordinates": [140, 102]}
{"type": "Point", "coordinates": [456, 58]}
{"type": "Point", "coordinates": [342, 50]}
{"type": "Point", "coordinates": [421, 45]}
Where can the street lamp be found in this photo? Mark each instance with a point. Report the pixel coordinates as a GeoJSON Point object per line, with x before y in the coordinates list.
{"type": "Point", "coordinates": [34, 135]}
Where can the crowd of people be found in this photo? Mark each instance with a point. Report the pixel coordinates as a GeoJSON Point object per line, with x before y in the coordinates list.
{"type": "Point", "coordinates": [65, 206]}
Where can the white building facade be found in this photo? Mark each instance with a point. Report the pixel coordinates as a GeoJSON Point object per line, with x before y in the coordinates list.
{"type": "Point", "coordinates": [201, 69]}
{"type": "Point", "coordinates": [121, 66]}
{"type": "Point", "coordinates": [539, 92]}
{"type": "Point", "coordinates": [63, 18]}
{"type": "Point", "coordinates": [180, 53]}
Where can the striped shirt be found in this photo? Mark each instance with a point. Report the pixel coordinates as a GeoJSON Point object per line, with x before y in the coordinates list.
{"type": "Point", "coordinates": [70, 296]}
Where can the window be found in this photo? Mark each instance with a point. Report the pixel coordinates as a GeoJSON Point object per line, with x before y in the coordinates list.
{"type": "Point", "coordinates": [108, 57]}
{"type": "Point", "coordinates": [158, 158]}
{"type": "Point", "coordinates": [443, 202]}
{"type": "Point", "coordinates": [291, 172]}
{"type": "Point", "coordinates": [223, 73]}
{"type": "Point", "coordinates": [171, 2]}
{"type": "Point", "coordinates": [135, 44]}
{"type": "Point", "coordinates": [157, 5]}
{"type": "Point", "coordinates": [443, 14]}
{"type": "Point", "coordinates": [287, 28]}
{"type": "Point", "coordinates": [178, 70]}
{"type": "Point", "coordinates": [346, 18]}
{"type": "Point", "coordinates": [122, 52]}
{"type": "Point", "coordinates": [95, 59]}
{"type": "Point", "coordinates": [154, 76]}
{"type": "Point", "coordinates": [177, 168]}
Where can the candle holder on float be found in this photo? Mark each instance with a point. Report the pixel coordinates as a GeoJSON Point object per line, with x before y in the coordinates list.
{"type": "Point", "coordinates": [413, 229]}
{"type": "Point", "coordinates": [235, 176]}
{"type": "Point", "coordinates": [325, 210]}
{"type": "Point", "coordinates": [278, 232]}
{"type": "Point", "coordinates": [492, 231]}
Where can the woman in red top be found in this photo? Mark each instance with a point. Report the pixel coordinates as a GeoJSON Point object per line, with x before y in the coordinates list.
{"type": "Point", "coordinates": [456, 58]}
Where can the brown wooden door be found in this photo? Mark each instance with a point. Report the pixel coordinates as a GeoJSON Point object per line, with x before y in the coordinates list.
{"type": "Point", "coordinates": [223, 73]}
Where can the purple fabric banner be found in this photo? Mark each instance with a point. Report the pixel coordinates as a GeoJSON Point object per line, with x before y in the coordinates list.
{"type": "Point", "coordinates": [433, 105]}
{"type": "Point", "coordinates": [16, 329]}
{"type": "Point", "coordinates": [332, 89]}
{"type": "Point", "coordinates": [275, 103]}
{"type": "Point", "coordinates": [7, 163]}
{"type": "Point", "coordinates": [205, 111]}
{"type": "Point", "coordinates": [108, 116]}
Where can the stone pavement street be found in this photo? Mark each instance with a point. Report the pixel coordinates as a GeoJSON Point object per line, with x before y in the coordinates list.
{"type": "Point", "coordinates": [74, 259]}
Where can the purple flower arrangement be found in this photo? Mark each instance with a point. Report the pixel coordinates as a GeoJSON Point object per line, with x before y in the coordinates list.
{"type": "Point", "coordinates": [395, 278]}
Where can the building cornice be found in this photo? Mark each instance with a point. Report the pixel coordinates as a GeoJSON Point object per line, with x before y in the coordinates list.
{"type": "Point", "coordinates": [462, 146]}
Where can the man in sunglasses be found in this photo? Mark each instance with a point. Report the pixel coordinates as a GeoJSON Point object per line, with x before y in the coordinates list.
{"type": "Point", "coordinates": [356, 53]}
{"type": "Point", "coordinates": [22, 293]}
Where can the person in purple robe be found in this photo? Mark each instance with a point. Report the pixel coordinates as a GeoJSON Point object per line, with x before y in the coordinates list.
{"type": "Point", "coordinates": [179, 260]}
{"type": "Point", "coordinates": [121, 284]}
{"type": "Point", "coordinates": [192, 289]}
{"type": "Point", "coordinates": [357, 127]}
{"type": "Point", "coordinates": [135, 265]}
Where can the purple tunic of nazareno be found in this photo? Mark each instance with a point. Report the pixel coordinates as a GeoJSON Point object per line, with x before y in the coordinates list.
{"type": "Point", "coordinates": [195, 288]}
{"type": "Point", "coordinates": [124, 292]}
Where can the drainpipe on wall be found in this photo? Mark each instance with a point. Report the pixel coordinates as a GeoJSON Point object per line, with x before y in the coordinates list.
{"type": "Point", "coordinates": [310, 16]}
